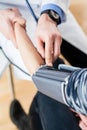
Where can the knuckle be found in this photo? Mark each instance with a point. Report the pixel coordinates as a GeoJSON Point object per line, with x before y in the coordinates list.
{"type": "Point", "coordinates": [51, 36]}
{"type": "Point", "coordinates": [15, 9]}
{"type": "Point", "coordinates": [58, 36]}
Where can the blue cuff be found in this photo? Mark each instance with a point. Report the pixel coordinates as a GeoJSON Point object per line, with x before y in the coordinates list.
{"type": "Point", "coordinates": [56, 8]}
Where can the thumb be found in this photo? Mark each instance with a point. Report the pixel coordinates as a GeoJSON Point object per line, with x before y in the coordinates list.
{"type": "Point", "coordinates": [20, 20]}
{"type": "Point", "coordinates": [11, 34]}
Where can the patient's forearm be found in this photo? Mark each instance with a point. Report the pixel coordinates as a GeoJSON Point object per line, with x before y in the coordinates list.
{"type": "Point", "coordinates": [31, 57]}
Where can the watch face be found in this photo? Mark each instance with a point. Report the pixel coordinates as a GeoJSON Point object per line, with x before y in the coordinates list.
{"type": "Point", "coordinates": [54, 14]}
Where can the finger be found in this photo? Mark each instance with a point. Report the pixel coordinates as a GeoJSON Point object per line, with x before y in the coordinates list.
{"type": "Point", "coordinates": [40, 47]}
{"type": "Point", "coordinates": [12, 13]}
{"type": "Point", "coordinates": [83, 118]}
{"type": "Point", "coordinates": [82, 125]}
{"type": "Point", "coordinates": [15, 16]}
{"type": "Point", "coordinates": [20, 20]}
{"type": "Point", "coordinates": [49, 50]}
{"type": "Point", "coordinates": [12, 34]}
{"type": "Point", "coordinates": [57, 46]}
{"type": "Point", "coordinates": [16, 10]}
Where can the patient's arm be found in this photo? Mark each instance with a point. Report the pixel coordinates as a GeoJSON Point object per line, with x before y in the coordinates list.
{"type": "Point", "coordinates": [56, 87]}
{"type": "Point", "coordinates": [31, 57]}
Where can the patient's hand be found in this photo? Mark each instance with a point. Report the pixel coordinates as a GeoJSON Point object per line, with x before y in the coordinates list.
{"type": "Point", "coordinates": [83, 122]}
{"type": "Point", "coordinates": [7, 19]}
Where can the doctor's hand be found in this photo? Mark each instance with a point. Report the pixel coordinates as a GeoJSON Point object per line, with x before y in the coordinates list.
{"type": "Point", "coordinates": [48, 39]}
{"type": "Point", "coordinates": [7, 19]}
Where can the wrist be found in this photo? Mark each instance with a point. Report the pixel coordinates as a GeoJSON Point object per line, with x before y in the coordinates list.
{"type": "Point", "coordinates": [55, 8]}
{"type": "Point", "coordinates": [45, 18]}
{"type": "Point", "coordinates": [53, 16]}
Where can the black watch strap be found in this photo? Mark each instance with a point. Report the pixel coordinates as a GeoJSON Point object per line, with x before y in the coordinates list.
{"type": "Point", "coordinates": [53, 15]}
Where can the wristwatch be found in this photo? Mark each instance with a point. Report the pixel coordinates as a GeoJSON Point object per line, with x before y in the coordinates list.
{"type": "Point", "coordinates": [53, 15]}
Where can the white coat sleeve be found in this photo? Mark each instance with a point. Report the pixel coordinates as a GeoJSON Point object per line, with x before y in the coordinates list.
{"type": "Point", "coordinates": [63, 4]}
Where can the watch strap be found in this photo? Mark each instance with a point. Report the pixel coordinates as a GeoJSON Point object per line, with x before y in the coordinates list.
{"type": "Point", "coordinates": [50, 14]}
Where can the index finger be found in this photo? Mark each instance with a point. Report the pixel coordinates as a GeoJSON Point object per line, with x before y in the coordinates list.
{"type": "Point", "coordinates": [49, 50]}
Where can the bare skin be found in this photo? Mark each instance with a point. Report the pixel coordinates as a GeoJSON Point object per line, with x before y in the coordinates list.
{"type": "Point", "coordinates": [27, 49]}
{"type": "Point", "coordinates": [12, 25]}
{"type": "Point", "coordinates": [47, 33]}
{"type": "Point", "coordinates": [48, 39]}
{"type": "Point", "coordinates": [7, 20]}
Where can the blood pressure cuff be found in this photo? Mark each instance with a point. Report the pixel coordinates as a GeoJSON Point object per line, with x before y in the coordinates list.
{"type": "Point", "coordinates": [51, 82]}
{"type": "Point", "coordinates": [55, 84]}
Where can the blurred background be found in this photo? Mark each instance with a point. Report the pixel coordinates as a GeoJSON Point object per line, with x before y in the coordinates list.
{"type": "Point", "coordinates": [79, 9]}
{"type": "Point", "coordinates": [25, 90]}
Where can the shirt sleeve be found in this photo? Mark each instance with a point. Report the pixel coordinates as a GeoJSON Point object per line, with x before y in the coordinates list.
{"type": "Point", "coordinates": [58, 6]}
{"type": "Point", "coordinates": [57, 9]}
